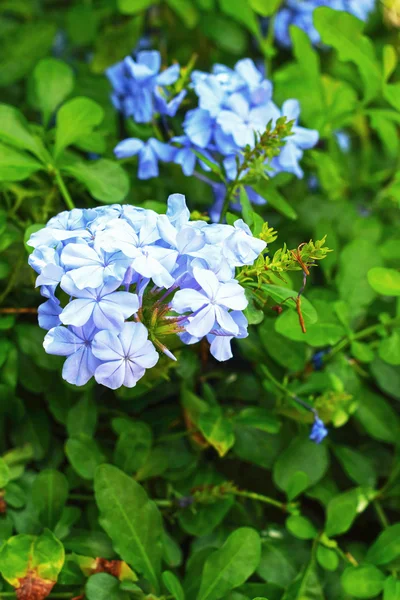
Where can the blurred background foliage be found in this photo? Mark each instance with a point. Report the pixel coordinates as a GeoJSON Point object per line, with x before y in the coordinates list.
{"type": "Point", "coordinates": [223, 450]}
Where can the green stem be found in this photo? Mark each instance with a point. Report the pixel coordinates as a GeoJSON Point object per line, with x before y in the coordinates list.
{"type": "Point", "coordinates": [64, 191]}
{"type": "Point", "coordinates": [381, 514]}
{"type": "Point", "coordinates": [364, 333]}
{"type": "Point", "coordinates": [90, 498]}
{"type": "Point", "coordinates": [261, 498]}
{"type": "Point", "coordinates": [57, 595]}
{"type": "Point", "coordinates": [277, 383]}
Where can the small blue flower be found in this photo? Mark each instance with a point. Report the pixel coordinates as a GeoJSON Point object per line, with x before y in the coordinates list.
{"type": "Point", "coordinates": [124, 357]}
{"type": "Point", "coordinates": [149, 152]}
{"type": "Point", "coordinates": [318, 431]}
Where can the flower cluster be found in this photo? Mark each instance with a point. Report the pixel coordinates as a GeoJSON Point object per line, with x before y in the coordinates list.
{"type": "Point", "coordinates": [233, 109]}
{"type": "Point", "coordinates": [128, 277]}
{"type": "Point", "coordinates": [300, 13]}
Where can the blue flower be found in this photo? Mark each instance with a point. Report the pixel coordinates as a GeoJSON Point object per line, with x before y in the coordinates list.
{"type": "Point", "coordinates": [49, 314]}
{"type": "Point", "coordinates": [140, 89]}
{"type": "Point", "coordinates": [210, 305]}
{"type": "Point", "coordinates": [300, 13]}
{"type": "Point", "coordinates": [104, 305]}
{"type": "Point", "coordinates": [186, 158]}
{"type": "Point", "coordinates": [149, 152]}
{"type": "Point", "coordinates": [220, 340]}
{"type": "Point", "coordinates": [124, 357]}
{"type": "Point", "coordinates": [318, 431]}
{"type": "Point", "coordinates": [76, 344]}
{"type": "Point", "coordinates": [89, 268]}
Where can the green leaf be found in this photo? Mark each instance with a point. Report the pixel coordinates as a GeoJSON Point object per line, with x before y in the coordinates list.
{"type": "Point", "coordinates": [327, 558]}
{"type": "Point", "coordinates": [259, 418]}
{"type": "Point", "coordinates": [226, 34]}
{"type": "Point", "coordinates": [84, 455]}
{"type": "Point", "coordinates": [105, 179]}
{"type": "Point", "coordinates": [301, 455]}
{"type": "Point", "coordinates": [357, 466]}
{"type": "Point", "coordinates": [267, 190]}
{"type": "Point", "coordinates": [391, 590]}
{"type": "Point", "coordinates": [386, 547]}
{"type": "Point", "coordinates": [16, 165]}
{"type": "Point", "coordinates": [363, 582]}
{"type": "Point", "coordinates": [53, 81]}
{"type": "Point", "coordinates": [390, 61]}
{"type": "Point", "coordinates": [14, 131]}
{"type": "Point", "coordinates": [301, 527]}
{"type": "Point", "coordinates": [277, 561]}
{"type": "Point", "coordinates": [132, 7]}
{"type": "Point", "coordinates": [173, 585]}
{"type": "Point", "coordinates": [82, 417]}
{"type": "Point", "coordinates": [231, 565]}
{"type": "Point", "coordinates": [186, 11]}
{"type": "Point", "coordinates": [217, 429]}
{"type": "Point", "coordinates": [281, 294]}
{"type": "Point", "coordinates": [22, 47]}
{"type": "Point", "coordinates": [377, 417]}
{"type": "Point", "coordinates": [4, 473]}
{"type": "Point", "coordinates": [132, 521]}
{"type": "Point", "coordinates": [292, 355]}
{"type": "Point", "coordinates": [384, 281]}
{"type": "Point", "coordinates": [49, 495]}
{"type": "Point", "coordinates": [103, 586]}
{"type": "Point", "coordinates": [265, 8]}
{"type": "Point", "coordinates": [42, 557]}
{"type": "Point", "coordinates": [241, 11]}
{"type": "Point", "coordinates": [389, 349]}
{"type": "Point", "coordinates": [343, 31]}
{"type": "Point", "coordinates": [76, 119]}
{"type": "Point", "coordinates": [133, 447]}
{"type": "Point", "coordinates": [341, 512]}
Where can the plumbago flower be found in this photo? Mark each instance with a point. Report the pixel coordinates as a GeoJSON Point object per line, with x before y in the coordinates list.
{"type": "Point", "coordinates": [134, 277]}
{"type": "Point", "coordinates": [300, 13]}
{"type": "Point", "coordinates": [233, 111]}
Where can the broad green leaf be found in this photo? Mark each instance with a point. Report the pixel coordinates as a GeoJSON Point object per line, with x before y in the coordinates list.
{"type": "Point", "coordinates": [387, 377]}
{"type": "Point", "coordinates": [389, 349]}
{"type": "Point", "coordinates": [49, 495]}
{"type": "Point", "coordinates": [131, 7]}
{"type": "Point", "coordinates": [217, 429]}
{"type": "Point", "coordinates": [133, 447]}
{"type": "Point", "coordinates": [265, 8]}
{"type": "Point", "coordinates": [390, 61]}
{"type": "Point", "coordinates": [76, 119]}
{"type": "Point", "coordinates": [132, 521]}
{"type": "Point", "coordinates": [292, 355]}
{"type": "Point", "coordinates": [267, 190]}
{"type": "Point", "coordinates": [327, 558]}
{"type": "Point", "coordinates": [82, 417]}
{"type": "Point", "coordinates": [225, 33]}
{"type": "Point", "coordinates": [386, 547]}
{"type": "Point", "coordinates": [22, 47]}
{"type": "Point", "coordinates": [14, 131]}
{"type": "Point", "coordinates": [173, 585]}
{"type": "Point", "coordinates": [363, 582]}
{"type": "Point", "coordinates": [391, 590]}
{"type": "Point", "coordinates": [231, 565]}
{"type": "Point", "coordinates": [53, 81]}
{"type": "Point", "coordinates": [343, 31]}
{"type": "Point", "coordinates": [105, 179]}
{"type": "Point", "coordinates": [81, 24]}
{"type": "Point", "coordinates": [301, 527]}
{"type": "Point", "coordinates": [4, 473]}
{"type": "Point", "coordinates": [384, 281]}
{"type": "Point", "coordinates": [357, 466]}
{"type": "Point", "coordinates": [377, 417]}
{"type": "Point", "coordinates": [186, 11]}
{"type": "Point", "coordinates": [301, 455]}
{"type": "Point", "coordinates": [282, 295]}
{"type": "Point", "coordinates": [259, 418]}
{"type": "Point", "coordinates": [16, 165]}
{"type": "Point", "coordinates": [84, 455]}
{"type": "Point", "coordinates": [341, 512]}
{"type": "Point", "coordinates": [277, 561]}
{"type": "Point", "coordinates": [103, 586]}
{"type": "Point", "coordinates": [241, 11]}
{"type": "Point", "coordinates": [297, 484]}
{"type": "Point", "coordinates": [31, 556]}
{"type": "Point", "coordinates": [306, 586]}
{"type": "Point", "coordinates": [116, 41]}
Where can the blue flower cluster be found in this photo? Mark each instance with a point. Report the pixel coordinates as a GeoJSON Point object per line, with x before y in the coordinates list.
{"type": "Point", "coordinates": [129, 274]}
{"type": "Point", "coordinates": [232, 106]}
{"type": "Point", "coordinates": [300, 13]}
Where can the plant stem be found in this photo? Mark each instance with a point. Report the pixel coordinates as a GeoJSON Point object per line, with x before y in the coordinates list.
{"type": "Point", "coordinates": [64, 191]}
{"type": "Point", "coordinates": [277, 383]}
{"type": "Point", "coordinates": [261, 498]}
{"type": "Point", "coordinates": [381, 514]}
{"type": "Point", "coordinates": [57, 595]}
{"type": "Point", "coordinates": [361, 335]}
{"type": "Point", "coordinates": [18, 311]}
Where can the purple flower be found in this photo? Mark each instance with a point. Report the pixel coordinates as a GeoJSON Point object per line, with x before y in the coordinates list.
{"type": "Point", "coordinates": [210, 304]}
{"type": "Point", "coordinates": [107, 307]}
{"type": "Point", "coordinates": [149, 152]}
{"type": "Point", "coordinates": [76, 344]}
{"type": "Point", "coordinates": [124, 357]}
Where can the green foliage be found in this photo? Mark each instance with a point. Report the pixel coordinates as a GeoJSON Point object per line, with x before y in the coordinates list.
{"type": "Point", "coordinates": [201, 483]}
